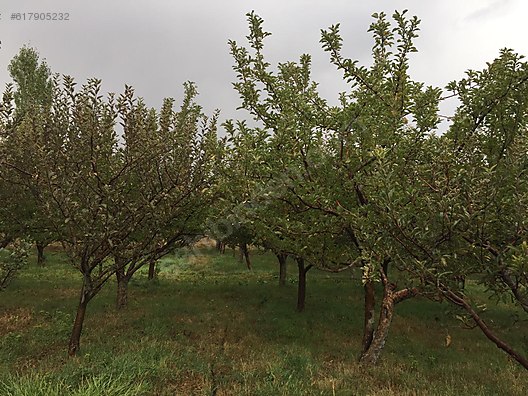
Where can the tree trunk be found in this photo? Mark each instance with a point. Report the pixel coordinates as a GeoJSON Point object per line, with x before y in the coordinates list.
{"type": "Point", "coordinates": [373, 352]}
{"type": "Point", "coordinates": [152, 270]}
{"type": "Point", "coordinates": [385, 266]}
{"type": "Point", "coordinates": [220, 246]}
{"type": "Point", "coordinates": [301, 288]}
{"type": "Point", "coordinates": [282, 268]}
{"type": "Point", "coordinates": [245, 251]}
{"type": "Point", "coordinates": [75, 338]}
{"type": "Point", "coordinates": [368, 326]}
{"type": "Point", "coordinates": [122, 293]}
{"type": "Point", "coordinates": [390, 299]}
{"type": "Point", "coordinates": [122, 288]}
{"type": "Point", "coordinates": [41, 259]}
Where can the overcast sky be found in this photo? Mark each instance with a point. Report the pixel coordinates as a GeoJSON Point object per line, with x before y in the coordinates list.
{"type": "Point", "coordinates": [156, 45]}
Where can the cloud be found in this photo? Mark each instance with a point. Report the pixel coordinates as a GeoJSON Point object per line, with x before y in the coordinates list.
{"type": "Point", "coordinates": [155, 48]}
{"type": "Point", "coordinates": [492, 9]}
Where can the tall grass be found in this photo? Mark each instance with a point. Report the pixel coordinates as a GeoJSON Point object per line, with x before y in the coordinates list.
{"type": "Point", "coordinates": [46, 385]}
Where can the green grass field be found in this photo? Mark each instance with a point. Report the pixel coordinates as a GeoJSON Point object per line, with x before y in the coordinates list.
{"type": "Point", "coordinates": [209, 326]}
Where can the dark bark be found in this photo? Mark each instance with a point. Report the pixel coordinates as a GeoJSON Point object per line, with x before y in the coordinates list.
{"type": "Point", "coordinates": [122, 288]}
{"type": "Point", "coordinates": [385, 266]}
{"type": "Point", "coordinates": [245, 252]}
{"type": "Point", "coordinates": [282, 268]}
{"type": "Point", "coordinates": [152, 270]}
{"type": "Point", "coordinates": [368, 326]}
{"type": "Point", "coordinates": [390, 299]}
{"type": "Point", "coordinates": [460, 301]}
{"type": "Point", "coordinates": [75, 338]}
{"type": "Point", "coordinates": [301, 288]}
{"type": "Point", "coordinates": [220, 246]}
{"type": "Point", "coordinates": [41, 259]}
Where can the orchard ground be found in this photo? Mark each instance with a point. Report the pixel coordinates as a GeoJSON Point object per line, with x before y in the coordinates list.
{"type": "Point", "coordinates": [209, 326]}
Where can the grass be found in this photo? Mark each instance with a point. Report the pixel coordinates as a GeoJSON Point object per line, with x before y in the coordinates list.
{"type": "Point", "coordinates": [208, 326]}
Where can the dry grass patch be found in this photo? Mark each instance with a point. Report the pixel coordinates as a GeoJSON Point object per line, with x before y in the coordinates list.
{"type": "Point", "coordinates": [15, 320]}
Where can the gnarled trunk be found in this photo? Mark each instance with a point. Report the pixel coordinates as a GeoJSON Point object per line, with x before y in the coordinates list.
{"type": "Point", "coordinates": [373, 352]}
{"type": "Point", "coordinates": [282, 268]}
{"type": "Point", "coordinates": [390, 299]}
{"type": "Point", "coordinates": [301, 288]}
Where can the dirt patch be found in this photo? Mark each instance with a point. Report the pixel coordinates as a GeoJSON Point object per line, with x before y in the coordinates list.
{"type": "Point", "coordinates": [54, 247]}
{"type": "Point", "coordinates": [15, 320]}
{"type": "Point", "coordinates": [205, 243]}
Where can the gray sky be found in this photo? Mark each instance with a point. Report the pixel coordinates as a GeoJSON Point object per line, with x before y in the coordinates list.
{"type": "Point", "coordinates": [157, 45]}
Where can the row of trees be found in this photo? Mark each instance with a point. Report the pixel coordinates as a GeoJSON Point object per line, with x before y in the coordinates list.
{"type": "Point", "coordinates": [117, 183]}
{"type": "Point", "coordinates": [369, 184]}
{"type": "Point", "coordinates": [373, 183]}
